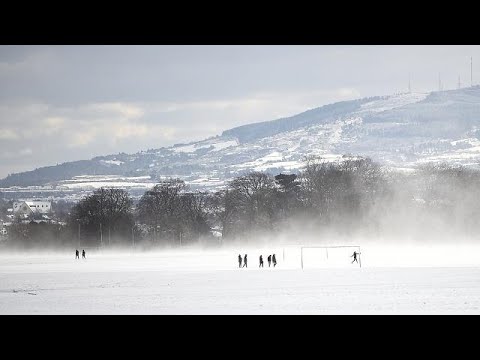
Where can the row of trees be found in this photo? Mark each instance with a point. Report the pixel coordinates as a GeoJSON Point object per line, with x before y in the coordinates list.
{"type": "Point", "coordinates": [355, 195]}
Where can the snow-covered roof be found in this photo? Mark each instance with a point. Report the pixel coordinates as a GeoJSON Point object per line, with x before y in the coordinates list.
{"type": "Point", "coordinates": [33, 205]}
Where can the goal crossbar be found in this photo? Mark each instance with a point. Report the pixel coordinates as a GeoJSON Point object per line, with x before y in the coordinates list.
{"type": "Point", "coordinates": [329, 247]}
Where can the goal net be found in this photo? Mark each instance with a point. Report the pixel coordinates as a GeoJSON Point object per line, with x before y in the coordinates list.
{"type": "Point", "coordinates": [329, 256]}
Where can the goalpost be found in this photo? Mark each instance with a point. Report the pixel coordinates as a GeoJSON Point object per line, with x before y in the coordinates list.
{"type": "Point", "coordinates": [324, 254]}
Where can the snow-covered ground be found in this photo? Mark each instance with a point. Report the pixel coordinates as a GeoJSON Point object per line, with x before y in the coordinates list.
{"type": "Point", "coordinates": [391, 102]}
{"type": "Point", "coordinates": [392, 280]}
{"type": "Point", "coordinates": [98, 181]}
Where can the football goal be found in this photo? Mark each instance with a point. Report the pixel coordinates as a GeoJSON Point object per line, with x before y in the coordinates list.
{"type": "Point", "coordinates": [330, 256]}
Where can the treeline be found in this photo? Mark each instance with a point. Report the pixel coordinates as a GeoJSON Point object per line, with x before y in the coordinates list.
{"type": "Point", "coordinates": [354, 196]}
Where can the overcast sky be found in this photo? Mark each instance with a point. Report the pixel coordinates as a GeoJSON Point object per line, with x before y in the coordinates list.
{"type": "Point", "coordinates": [65, 103]}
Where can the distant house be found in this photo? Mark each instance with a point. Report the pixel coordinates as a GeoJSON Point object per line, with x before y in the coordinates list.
{"type": "Point", "coordinates": [32, 207]}
{"type": "Point", "coordinates": [3, 231]}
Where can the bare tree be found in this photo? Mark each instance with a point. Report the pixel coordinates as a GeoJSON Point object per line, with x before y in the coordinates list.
{"type": "Point", "coordinates": [341, 190]}
{"type": "Point", "coordinates": [249, 203]}
{"type": "Point", "coordinates": [172, 212]}
{"type": "Point", "coordinates": [110, 209]}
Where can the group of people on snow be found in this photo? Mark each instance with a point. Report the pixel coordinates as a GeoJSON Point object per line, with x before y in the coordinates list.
{"type": "Point", "coordinates": [77, 254]}
{"type": "Point", "coordinates": [271, 259]}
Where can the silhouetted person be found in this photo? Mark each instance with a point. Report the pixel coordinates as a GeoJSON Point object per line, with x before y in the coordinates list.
{"type": "Point", "coordinates": [77, 254]}
{"type": "Point", "coordinates": [83, 254]}
{"type": "Point", "coordinates": [269, 259]}
{"type": "Point", "coordinates": [274, 259]}
{"type": "Point", "coordinates": [245, 261]}
{"type": "Point", "coordinates": [239, 261]}
{"type": "Point", "coordinates": [355, 256]}
{"type": "Point", "coordinates": [261, 261]}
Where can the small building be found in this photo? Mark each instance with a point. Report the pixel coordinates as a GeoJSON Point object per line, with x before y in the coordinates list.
{"type": "Point", "coordinates": [32, 207]}
{"type": "Point", "coordinates": [3, 231]}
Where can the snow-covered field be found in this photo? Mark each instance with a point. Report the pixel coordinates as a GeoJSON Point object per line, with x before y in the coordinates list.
{"type": "Point", "coordinates": [392, 280]}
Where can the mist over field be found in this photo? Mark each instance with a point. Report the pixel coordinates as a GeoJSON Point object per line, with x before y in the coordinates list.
{"type": "Point", "coordinates": [415, 234]}
{"type": "Point", "coordinates": [392, 279]}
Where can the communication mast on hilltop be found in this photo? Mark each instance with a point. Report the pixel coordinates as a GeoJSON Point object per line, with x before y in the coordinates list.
{"type": "Point", "coordinates": [459, 84]}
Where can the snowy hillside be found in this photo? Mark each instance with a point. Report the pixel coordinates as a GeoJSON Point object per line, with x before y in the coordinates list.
{"type": "Point", "coordinates": [401, 130]}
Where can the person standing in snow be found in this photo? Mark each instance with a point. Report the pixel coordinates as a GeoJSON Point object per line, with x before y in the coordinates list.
{"type": "Point", "coordinates": [83, 254]}
{"type": "Point", "coordinates": [274, 259]}
{"type": "Point", "coordinates": [261, 261]}
{"type": "Point", "coordinates": [355, 257]}
{"type": "Point", "coordinates": [245, 261]}
{"type": "Point", "coordinates": [77, 254]}
{"type": "Point", "coordinates": [269, 260]}
{"type": "Point", "coordinates": [239, 261]}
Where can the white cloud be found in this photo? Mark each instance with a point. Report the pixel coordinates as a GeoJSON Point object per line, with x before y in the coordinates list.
{"type": "Point", "coordinates": [82, 138]}
{"type": "Point", "coordinates": [8, 134]}
{"type": "Point", "coordinates": [128, 111]}
{"type": "Point", "coordinates": [26, 151]}
{"type": "Point", "coordinates": [36, 61]}
{"type": "Point", "coordinates": [53, 125]}
{"type": "Point", "coordinates": [54, 122]}
{"type": "Point", "coordinates": [129, 130]}
{"type": "Point", "coordinates": [348, 92]}
{"type": "Point", "coordinates": [261, 106]}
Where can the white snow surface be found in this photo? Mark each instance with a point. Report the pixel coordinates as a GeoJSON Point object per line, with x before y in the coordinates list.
{"type": "Point", "coordinates": [393, 279]}
{"type": "Point", "coordinates": [186, 149]}
{"type": "Point", "coordinates": [392, 102]}
{"type": "Point", "coordinates": [106, 184]}
{"type": "Point", "coordinates": [217, 146]}
{"type": "Point", "coordinates": [113, 162]}
{"type": "Point", "coordinates": [99, 181]}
